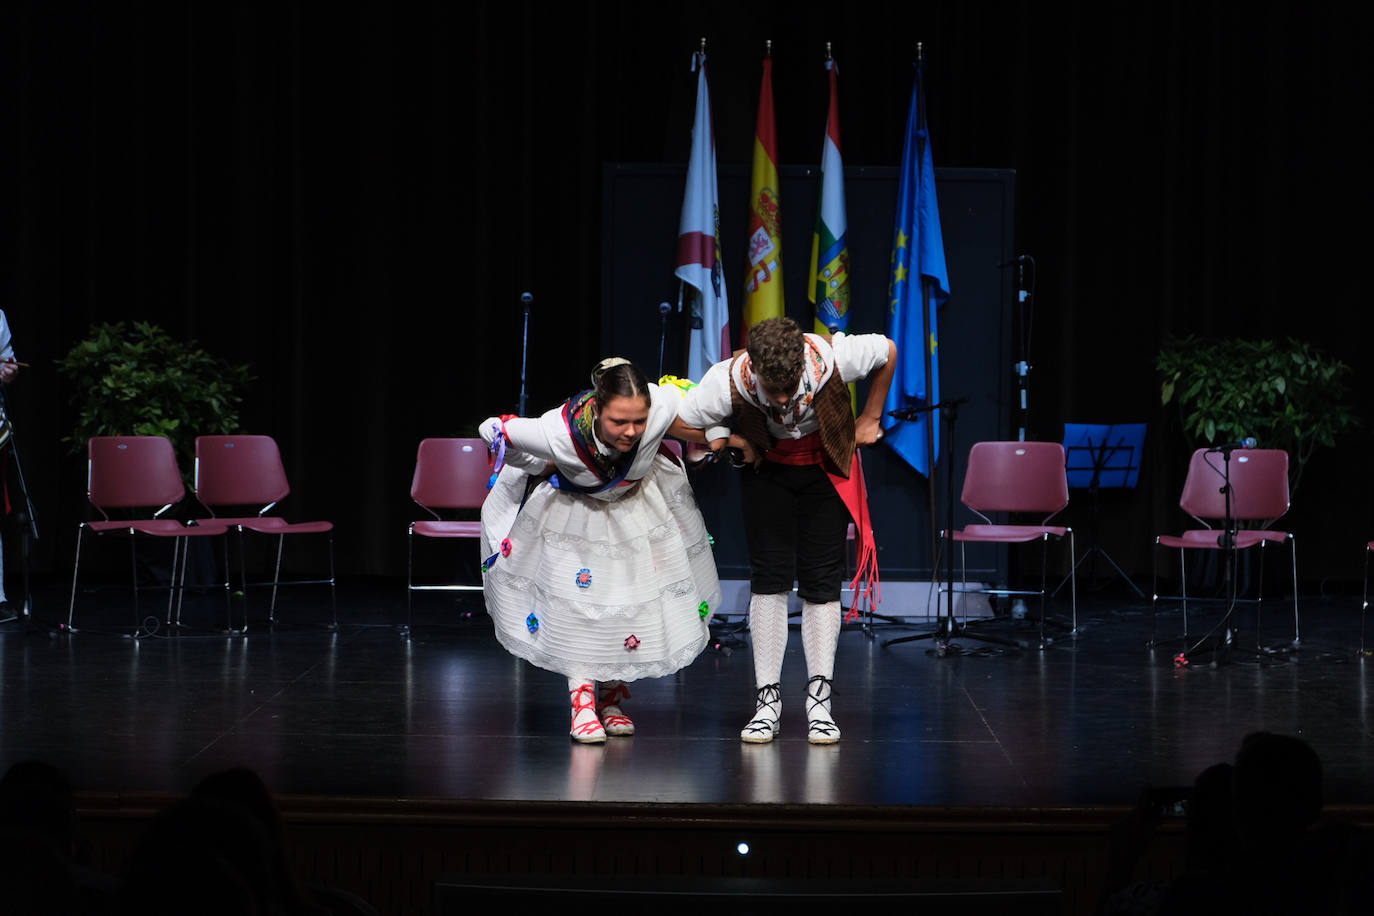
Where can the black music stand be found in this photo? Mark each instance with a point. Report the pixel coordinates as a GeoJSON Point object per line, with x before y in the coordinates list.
{"type": "Point", "coordinates": [949, 627]}
{"type": "Point", "coordinates": [1100, 455]}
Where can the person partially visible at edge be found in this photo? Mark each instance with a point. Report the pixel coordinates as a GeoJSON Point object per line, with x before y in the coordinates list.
{"type": "Point", "coordinates": [9, 370]}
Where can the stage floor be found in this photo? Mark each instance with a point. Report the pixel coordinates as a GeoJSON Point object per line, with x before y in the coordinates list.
{"type": "Point", "coordinates": [448, 714]}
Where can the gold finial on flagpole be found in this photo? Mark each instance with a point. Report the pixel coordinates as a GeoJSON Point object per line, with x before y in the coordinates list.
{"type": "Point", "coordinates": [827, 51]}
{"type": "Point", "coordinates": [703, 44]}
{"type": "Point", "coordinates": [768, 48]}
{"type": "Point", "coordinates": [920, 52]}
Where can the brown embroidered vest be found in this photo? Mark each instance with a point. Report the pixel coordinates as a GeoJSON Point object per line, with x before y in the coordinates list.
{"type": "Point", "coordinates": [833, 410]}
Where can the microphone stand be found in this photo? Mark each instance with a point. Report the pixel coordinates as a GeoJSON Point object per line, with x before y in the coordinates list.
{"type": "Point", "coordinates": [1227, 542]}
{"type": "Point", "coordinates": [1025, 295]}
{"type": "Point", "coordinates": [525, 299]}
{"type": "Point", "coordinates": [663, 309]}
{"type": "Point", "coordinates": [948, 628]}
{"type": "Point", "coordinates": [27, 519]}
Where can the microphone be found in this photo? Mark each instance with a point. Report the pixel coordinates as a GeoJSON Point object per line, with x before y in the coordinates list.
{"type": "Point", "coordinates": [1016, 260]}
{"type": "Point", "coordinates": [664, 308]}
{"type": "Point", "coordinates": [1247, 442]}
{"type": "Point", "coordinates": [527, 298]}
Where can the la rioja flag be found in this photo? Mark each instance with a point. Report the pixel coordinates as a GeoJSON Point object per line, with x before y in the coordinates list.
{"type": "Point", "coordinates": [829, 291]}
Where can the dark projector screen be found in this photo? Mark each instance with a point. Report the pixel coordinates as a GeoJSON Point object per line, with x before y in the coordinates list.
{"type": "Point", "coordinates": [641, 206]}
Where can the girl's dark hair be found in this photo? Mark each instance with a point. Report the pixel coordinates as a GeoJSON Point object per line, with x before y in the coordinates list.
{"type": "Point", "coordinates": [616, 377]}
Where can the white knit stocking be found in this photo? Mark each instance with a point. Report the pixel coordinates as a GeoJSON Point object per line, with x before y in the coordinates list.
{"type": "Point", "coordinates": [768, 632]}
{"type": "Point", "coordinates": [820, 635]}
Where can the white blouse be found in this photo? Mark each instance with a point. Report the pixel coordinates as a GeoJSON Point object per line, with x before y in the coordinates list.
{"type": "Point", "coordinates": [534, 441]}
{"type": "Point", "coordinates": [707, 405]}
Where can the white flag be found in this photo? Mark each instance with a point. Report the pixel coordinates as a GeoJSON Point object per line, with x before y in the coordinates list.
{"type": "Point", "coordinates": [698, 242]}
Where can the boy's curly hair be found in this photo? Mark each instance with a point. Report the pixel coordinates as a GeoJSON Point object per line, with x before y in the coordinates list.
{"type": "Point", "coordinates": [776, 349]}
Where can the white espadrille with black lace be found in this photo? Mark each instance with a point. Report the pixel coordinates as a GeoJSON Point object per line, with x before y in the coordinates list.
{"type": "Point", "coordinates": [821, 727]}
{"type": "Point", "coordinates": [767, 721]}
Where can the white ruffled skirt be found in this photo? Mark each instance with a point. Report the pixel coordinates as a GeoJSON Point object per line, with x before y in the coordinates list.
{"type": "Point", "coordinates": [615, 589]}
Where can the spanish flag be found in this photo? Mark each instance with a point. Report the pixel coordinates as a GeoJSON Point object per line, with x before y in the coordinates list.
{"type": "Point", "coordinates": [763, 286]}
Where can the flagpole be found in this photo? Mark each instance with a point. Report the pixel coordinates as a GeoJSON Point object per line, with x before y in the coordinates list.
{"type": "Point", "coordinates": [933, 417]}
{"type": "Point", "coordinates": [699, 58]}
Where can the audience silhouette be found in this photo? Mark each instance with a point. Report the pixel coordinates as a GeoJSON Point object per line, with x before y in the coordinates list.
{"type": "Point", "coordinates": [1257, 842]}
{"type": "Point", "coordinates": [220, 852]}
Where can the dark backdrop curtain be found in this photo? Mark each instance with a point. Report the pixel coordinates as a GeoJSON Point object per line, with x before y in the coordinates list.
{"type": "Point", "coordinates": [352, 196]}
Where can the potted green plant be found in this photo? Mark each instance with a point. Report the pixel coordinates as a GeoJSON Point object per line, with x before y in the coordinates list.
{"type": "Point", "coordinates": [140, 381]}
{"type": "Point", "coordinates": [1286, 395]}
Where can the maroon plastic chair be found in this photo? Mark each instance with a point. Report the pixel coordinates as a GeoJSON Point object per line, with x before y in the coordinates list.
{"type": "Point", "coordinates": [246, 471]}
{"type": "Point", "coordinates": [127, 474]}
{"type": "Point", "coordinates": [1259, 494]}
{"type": "Point", "coordinates": [1019, 477]}
{"type": "Point", "coordinates": [449, 474]}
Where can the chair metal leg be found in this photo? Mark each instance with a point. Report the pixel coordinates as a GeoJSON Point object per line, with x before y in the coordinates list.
{"type": "Point", "coordinates": [243, 585]}
{"type": "Point", "coordinates": [76, 568]}
{"type": "Point", "coordinates": [228, 588]}
{"type": "Point", "coordinates": [1156, 639]}
{"type": "Point", "coordinates": [173, 591]}
{"type": "Point", "coordinates": [1073, 587]}
{"type": "Point", "coordinates": [276, 580]}
{"type": "Point", "coordinates": [1044, 569]}
{"type": "Point", "coordinates": [1183, 591]}
{"type": "Point", "coordinates": [963, 576]}
{"type": "Point", "coordinates": [1364, 605]}
{"type": "Point", "coordinates": [1293, 551]}
{"type": "Point", "coordinates": [1259, 593]}
{"type": "Point", "coordinates": [133, 566]}
{"type": "Point", "coordinates": [133, 577]}
{"type": "Point", "coordinates": [1154, 595]}
{"type": "Point", "coordinates": [333, 605]}
{"type": "Point", "coordinates": [410, 575]}
{"type": "Point", "coordinates": [181, 583]}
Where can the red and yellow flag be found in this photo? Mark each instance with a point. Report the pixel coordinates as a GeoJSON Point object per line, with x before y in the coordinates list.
{"type": "Point", "coordinates": [763, 284]}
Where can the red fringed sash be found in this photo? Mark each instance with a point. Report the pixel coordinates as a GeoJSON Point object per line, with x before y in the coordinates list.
{"type": "Point", "coordinates": [855, 495]}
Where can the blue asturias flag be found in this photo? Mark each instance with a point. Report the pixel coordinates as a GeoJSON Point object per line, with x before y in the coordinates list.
{"type": "Point", "coordinates": [919, 285]}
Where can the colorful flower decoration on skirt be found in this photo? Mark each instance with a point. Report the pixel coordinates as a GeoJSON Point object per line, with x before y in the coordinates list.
{"type": "Point", "coordinates": [505, 547]}
{"type": "Point", "coordinates": [489, 562]}
{"type": "Point", "coordinates": [710, 540]}
{"type": "Point", "coordinates": [632, 642]}
{"type": "Point", "coordinates": [703, 610]}
{"type": "Point", "coordinates": [584, 578]}
{"type": "Point", "coordinates": [532, 622]}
